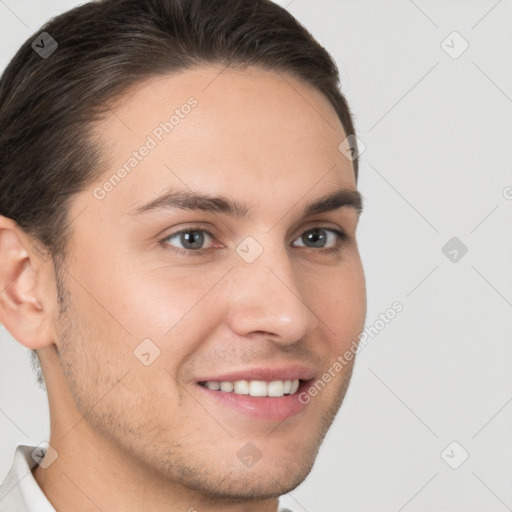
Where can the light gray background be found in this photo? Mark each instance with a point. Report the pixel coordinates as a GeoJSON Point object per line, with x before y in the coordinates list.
{"type": "Point", "coordinates": [437, 163]}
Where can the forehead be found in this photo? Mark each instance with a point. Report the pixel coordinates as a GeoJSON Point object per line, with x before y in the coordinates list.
{"type": "Point", "coordinates": [248, 133]}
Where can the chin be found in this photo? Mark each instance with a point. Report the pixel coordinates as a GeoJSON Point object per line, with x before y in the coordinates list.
{"type": "Point", "coordinates": [256, 483]}
{"type": "Point", "coordinates": [275, 473]}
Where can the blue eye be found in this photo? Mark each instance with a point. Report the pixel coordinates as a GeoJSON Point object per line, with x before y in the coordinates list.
{"type": "Point", "coordinates": [320, 236]}
{"type": "Point", "coordinates": [191, 240]}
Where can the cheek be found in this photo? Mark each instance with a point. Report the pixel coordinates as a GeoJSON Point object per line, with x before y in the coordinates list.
{"type": "Point", "coordinates": [172, 307]}
{"type": "Point", "coordinates": [343, 305]}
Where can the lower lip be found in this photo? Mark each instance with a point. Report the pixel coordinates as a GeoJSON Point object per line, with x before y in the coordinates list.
{"type": "Point", "coordinates": [265, 408]}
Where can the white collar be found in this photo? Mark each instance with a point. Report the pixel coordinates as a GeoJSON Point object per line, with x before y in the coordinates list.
{"type": "Point", "coordinates": [20, 491]}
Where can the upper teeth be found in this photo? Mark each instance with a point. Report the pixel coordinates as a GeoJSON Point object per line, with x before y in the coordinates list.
{"type": "Point", "coordinates": [256, 387]}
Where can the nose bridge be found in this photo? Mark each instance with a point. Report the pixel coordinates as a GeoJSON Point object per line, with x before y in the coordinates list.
{"type": "Point", "coordinates": [265, 294]}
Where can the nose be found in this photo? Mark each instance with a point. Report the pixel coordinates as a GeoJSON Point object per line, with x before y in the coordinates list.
{"type": "Point", "coordinates": [267, 299]}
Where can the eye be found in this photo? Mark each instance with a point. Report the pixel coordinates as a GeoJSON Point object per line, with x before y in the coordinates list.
{"type": "Point", "coordinates": [190, 239]}
{"type": "Point", "coordinates": [323, 238]}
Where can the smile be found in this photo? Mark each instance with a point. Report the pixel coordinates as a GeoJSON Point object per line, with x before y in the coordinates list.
{"type": "Point", "coordinates": [257, 388]}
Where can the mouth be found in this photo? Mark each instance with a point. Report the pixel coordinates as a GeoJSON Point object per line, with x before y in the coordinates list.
{"type": "Point", "coordinates": [264, 394]}
{"type": "Point", "coordinates": [256, 388]}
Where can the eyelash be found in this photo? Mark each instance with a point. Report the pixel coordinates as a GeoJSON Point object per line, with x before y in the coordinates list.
{"type": "Point", "coordinates": [342, 237]}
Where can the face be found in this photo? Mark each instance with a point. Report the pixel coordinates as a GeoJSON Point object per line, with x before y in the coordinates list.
{"type": "Point", "coordinates": [162, 304]}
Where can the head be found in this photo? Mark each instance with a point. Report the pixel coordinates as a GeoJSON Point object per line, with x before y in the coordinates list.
{"type": "Point", "coordinates": [232, 111]}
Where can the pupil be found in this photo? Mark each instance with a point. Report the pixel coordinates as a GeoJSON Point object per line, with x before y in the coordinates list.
{"type": "Point", "coordinates": [317, 237]}
{"type": "Point", "coordinates": [191, 237]}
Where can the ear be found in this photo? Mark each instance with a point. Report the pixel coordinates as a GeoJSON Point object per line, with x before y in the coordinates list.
{"type": "Point", "coordinates": [27, 299]}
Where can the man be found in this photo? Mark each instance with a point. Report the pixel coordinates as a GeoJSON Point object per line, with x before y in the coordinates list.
{"type": "Point", "coordinates": [178, 245]}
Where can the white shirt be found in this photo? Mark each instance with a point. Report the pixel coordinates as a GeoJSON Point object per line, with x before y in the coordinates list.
{"type": "Point", "coordinates": [20, 492]}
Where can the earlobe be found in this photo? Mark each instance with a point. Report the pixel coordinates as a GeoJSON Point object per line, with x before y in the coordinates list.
{"type": "Point", "coordinates": [22, 310]}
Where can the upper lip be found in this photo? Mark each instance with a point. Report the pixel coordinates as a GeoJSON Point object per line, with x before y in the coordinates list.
{"type": "Point", "coordinates": [265, 373]}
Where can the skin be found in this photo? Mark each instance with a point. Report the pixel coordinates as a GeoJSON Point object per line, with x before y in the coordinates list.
{"type": "Point", "coordinates": [134, 437]}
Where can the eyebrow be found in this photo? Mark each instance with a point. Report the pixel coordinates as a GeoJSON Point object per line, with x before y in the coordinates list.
{"type": "Point", "coordinates": [188, 200]}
